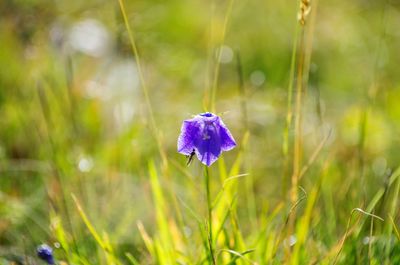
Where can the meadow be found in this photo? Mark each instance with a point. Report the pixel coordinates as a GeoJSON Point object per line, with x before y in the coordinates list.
{"type": "Point", "coordinates": [93, 95]}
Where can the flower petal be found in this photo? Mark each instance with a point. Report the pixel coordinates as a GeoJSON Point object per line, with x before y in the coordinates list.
{"type": "Point", "coordinates": [208, 145]}
{"type": "Point", "coordinates": [227, 140]}
{"type": "Point", "coordinates": [190, 131]}
{"type": "Point", "coordinates": [207, 136]}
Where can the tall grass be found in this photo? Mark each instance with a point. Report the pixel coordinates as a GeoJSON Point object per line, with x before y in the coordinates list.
{"type": "Point", "coordinates": [100, 194]}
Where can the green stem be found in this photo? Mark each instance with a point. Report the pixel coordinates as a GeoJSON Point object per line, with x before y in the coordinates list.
{"type": "Point", "coordinates": [209, 209]}
{"type": "Point", "coordinates": [289, 115]}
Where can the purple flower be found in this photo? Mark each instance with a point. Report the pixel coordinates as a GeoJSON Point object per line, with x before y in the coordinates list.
{"type": "Point", "coordinates": [206, 136]}
{"type": "Point", "coordinates": [45, 253]}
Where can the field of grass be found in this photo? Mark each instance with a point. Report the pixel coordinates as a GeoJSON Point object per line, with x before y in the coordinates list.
{"type": "Point", "coordinates": [92, 99]}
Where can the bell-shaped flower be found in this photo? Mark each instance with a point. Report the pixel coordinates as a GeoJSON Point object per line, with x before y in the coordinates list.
{"type": "Point", "coordinates": [206, 136]}
{"type": "Point", "coordinates": [45, 253]}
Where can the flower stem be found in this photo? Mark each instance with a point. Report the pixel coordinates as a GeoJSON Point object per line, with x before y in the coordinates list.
{"type": "Point", "coordinates": [209, 209]}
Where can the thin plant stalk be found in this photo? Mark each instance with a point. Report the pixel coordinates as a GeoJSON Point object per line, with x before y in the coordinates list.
{"type": "Point", "coordinates": [209, 216]}
{"type": "Point", "coordinates": [349, 231]}
{"type": "Point", "coordinates": [305, 46]}
{"type": "Point", "coordinates": [289, 115]}
{"type": "Point", "coordinates": [297, 148]}
{"type": "Point", "coordinates": [143, 84]}
{"type": "Point", "coordinates": [43, 102]}
{"type": "Point", "coordinates": [371, 229]}
{"type": "Point", "coordinates": [301, 84]}
{"type": "Point", "coordinates": [154, 128]}
{"type": "Point", "coordinates": [219, 55]}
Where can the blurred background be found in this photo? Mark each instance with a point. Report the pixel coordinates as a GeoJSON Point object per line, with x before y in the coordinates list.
{"type": "Point", "coordinates": [74, 119]}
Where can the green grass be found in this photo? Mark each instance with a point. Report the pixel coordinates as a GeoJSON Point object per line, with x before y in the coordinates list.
{"type": "Point", "coordinates": [88, 160]}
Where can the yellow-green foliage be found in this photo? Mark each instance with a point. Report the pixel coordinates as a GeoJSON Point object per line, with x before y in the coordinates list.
{"type": "Point", "coordinates": [93, 95]}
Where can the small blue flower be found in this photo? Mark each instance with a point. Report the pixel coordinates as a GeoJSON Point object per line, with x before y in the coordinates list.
{"type": "Point", "coordinates": [206, 136]}
{"type": "Point", "coordinates": [45, 253]}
